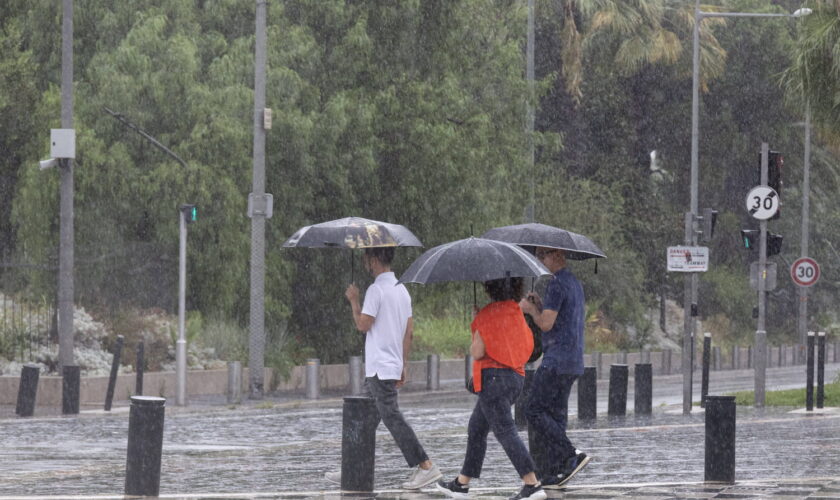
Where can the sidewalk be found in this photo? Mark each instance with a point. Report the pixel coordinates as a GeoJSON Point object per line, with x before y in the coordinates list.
{"type": "Point", "coordinates": [280, 448]}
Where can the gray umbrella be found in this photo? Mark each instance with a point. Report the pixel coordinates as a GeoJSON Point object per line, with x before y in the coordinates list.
{"type": "Point", "coordinates": [353, 232]}
{"type": "Point", "coordinates": [472, 259]}
{"type": "Point", "coordinates": [577, 246]}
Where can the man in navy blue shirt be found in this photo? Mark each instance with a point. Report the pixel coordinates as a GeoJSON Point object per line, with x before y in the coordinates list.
{"type": "Point", "coordinates": [560, 316]}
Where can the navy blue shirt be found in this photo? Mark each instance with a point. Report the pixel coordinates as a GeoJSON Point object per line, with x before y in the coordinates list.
{"type": "Point", "coordinates": [563, 344]}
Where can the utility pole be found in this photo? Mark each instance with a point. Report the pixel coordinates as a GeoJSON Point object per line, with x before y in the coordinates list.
{"type": "Point", "coordinates": [66, 238]}
{"type": "Point", "coordinates": [761, 332]}
{"type": "Point", "coordinates": [802, 323]}
{"type": "Point", "coordinates": [530, 112]}
{"type": "Point", "coordinates": [256, 342]}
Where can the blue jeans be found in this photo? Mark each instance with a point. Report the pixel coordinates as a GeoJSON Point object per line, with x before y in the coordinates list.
{"type": "Point", "coordinates": [547, 410]}
{"type": "Point", "coordinates": [499, 390]}
{"type": "Point", "coordinates": [384, 392]}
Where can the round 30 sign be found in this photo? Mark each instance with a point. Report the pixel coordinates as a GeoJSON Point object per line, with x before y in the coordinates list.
{"type": "Point", "coordinates": [805, 271]}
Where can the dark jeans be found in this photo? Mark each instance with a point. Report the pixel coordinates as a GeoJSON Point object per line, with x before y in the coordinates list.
{"type": "Point", "coordinates": [385, 394]}
{"type": "Point", "coordinates": [499, 390]}
{"type": "Point", "coordinates": [547, 411]}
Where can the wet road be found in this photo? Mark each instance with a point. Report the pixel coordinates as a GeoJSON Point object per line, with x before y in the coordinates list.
{"type": "Point", "coordinates": [288, 447]}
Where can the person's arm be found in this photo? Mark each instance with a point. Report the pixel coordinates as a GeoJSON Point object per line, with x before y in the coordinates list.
{"type": "Point", "coordinates": [363, 321]}
{"type": "Point", "coordinates": [544, 318]}
{"type": "Point", "coordinates": [407, 339]}
{"type": "Point", "coordinates": [477, 349]}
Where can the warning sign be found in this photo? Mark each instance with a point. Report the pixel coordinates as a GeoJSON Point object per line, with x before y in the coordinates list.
{"type": "Point", "coordinates": [688, 259]}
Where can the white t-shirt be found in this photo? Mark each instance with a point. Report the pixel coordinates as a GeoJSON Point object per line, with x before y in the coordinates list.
{"type": "Point", "coordinates": [390, 306]}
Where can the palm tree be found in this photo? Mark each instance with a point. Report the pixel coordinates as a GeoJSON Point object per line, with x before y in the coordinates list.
{"type": "Point", "coordinates": [813, 75]}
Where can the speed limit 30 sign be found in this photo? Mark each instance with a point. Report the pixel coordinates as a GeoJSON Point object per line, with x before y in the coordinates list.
{"type": "Point", "coordinates": [762, 202]}
{"type": "Point", "coordinates": [805, 271]}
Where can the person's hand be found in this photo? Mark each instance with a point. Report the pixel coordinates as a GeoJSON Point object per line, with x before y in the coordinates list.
{"type": "Point", "coordinates": [528, 305]}
{"type": "Point", "coordinates": [352, 293]}
{"type": "Point", "coordinates": [535, 299]}
{"type": "Point", "coordinates": [403, 377]}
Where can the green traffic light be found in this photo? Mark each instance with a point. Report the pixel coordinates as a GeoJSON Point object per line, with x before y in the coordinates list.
{"type": "Point", "coordinates": [194, 214]}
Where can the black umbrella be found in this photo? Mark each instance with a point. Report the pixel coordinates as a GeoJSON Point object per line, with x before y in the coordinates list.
{"type": "Point", "coordinates": [577, 246]}
{"type": "Point", "coordinates": [353, 232]}
{"type": "Point", "coordinates": [472, 259]}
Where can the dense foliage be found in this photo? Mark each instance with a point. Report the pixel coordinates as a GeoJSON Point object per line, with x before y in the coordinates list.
{"type": "Point", "coordinates": [411, 112]}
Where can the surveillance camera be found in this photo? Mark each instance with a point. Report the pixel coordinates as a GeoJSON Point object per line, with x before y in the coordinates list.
{"type": "Point", "coordinates": [45, 164]}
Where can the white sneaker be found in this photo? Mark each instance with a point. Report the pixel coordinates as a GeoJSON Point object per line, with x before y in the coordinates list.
{"type": "Point", "coordinates": [333, 476]}
{"type": "Point", "coordinates": [420, 478]}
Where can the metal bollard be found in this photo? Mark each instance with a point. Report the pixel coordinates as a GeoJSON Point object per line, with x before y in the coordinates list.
{"type": "Point", "coordinates": [836, 350]}
{"type": "Point", "coordinates": [313, 383]}
{"type": "Point", "coordinates": [519, 405]}
{"type": "Point", "coordinates": [716, 359]}
{"type": "Point", "coordinates": [750, 361]}
{"type": "Point", "coordinates": [736, 357]}
{"type": "Point", "coordinates": [782, 355]}
{"type": "Point", "coordinates": [432, 372]}
{"type": "Point", "coordinates": [145, 444]}
{"type": "Point", "coordinates": [820, 369]}
{"type": "Point", "coordinates": [468, 370]}
{"type": "Point", "coordinates": [115, 367]}
{"type": "Point", "coordinates": [234, 387]}
{"type": "Point", "coordinates": [27, 390]}
{"type": "Point", "coordinates": [356, 375]}
{"type": "Point", "coordinates": [358, 443]}
{"type": "Point", "coordinates": [587, 394]}
{"type": "Point", "coordinates": [720, 439]}
{"type": "Point", "coordinates": [596, 360]}
{"type": "Point", "coordinates": [70, 383]}
{"type": "Point", "coordinates": [644, 356]}
{"type": "Point", "coordinates": [141, 367]}
{"type": "Point", "coordinates": [617, 405]}
{"type": "Point", "coordinates": [622, 357]}
{"type": "Point", "coordinates": [809, 373]}
{"type": "Point", "coordinates": [704, 383]}
{"type": "Point", "coordinates": [666, 362]}
{"type": "Point", "coordinates": [643, 389]}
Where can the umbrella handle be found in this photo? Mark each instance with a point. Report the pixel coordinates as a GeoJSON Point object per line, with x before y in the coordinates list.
{"type": "Point", "coordinates": [352, 268]}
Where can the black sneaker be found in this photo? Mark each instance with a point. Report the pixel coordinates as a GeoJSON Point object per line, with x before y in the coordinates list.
{"type": "Point", "coordinates": [530, 492]}
{"type": "Point", "coordinates": [573, 465]}
{"type": "Point", "coordinates": [453, 488]}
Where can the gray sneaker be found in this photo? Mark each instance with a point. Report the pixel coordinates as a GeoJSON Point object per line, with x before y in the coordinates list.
{"type": "Point", "coordinates": [420, 478]}
{"type": "Point", "coordinates": [333, 476]}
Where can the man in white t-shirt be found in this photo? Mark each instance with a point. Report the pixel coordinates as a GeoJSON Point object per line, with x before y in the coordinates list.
{"type": "Point", "coordinates": [385, 318]}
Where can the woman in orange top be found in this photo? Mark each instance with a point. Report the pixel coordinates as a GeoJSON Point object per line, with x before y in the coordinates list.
{"type": "Point", "coordinates": [501, 345]}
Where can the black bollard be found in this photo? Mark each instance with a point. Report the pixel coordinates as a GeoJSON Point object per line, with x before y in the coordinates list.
{"type": "Point", "coordinates": [115, 367]}
{"type": "Point", "coordinates": [519, 406]}
{"type": "Point", "coordinates": [704, 383]}
{"type": "Point", "coordinates": [820, 369]}
{"type": "Point", "coordinates": [809, 376]}
{"type": "Point", "coordinates": [358, 443]}
{"type": "Point", "coordinates": [70, 382]}
{"type": "Point", "coordinates": [643, 389]}
{"type": "Point", "coordinates": [27, 390]}
{"type": "Point", "coordinates": [587, 394]}
{"type": "Point", "coordinates": [720, 439]}
{"type": "Point", "coordinates": [145, 444]}
{"type": "Point", "coordinates": [617, 405]}
{"type": "Point", "coordinates": [141, 362]}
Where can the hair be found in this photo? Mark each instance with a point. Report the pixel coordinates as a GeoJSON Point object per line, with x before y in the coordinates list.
{"type": "Point", "coordinates": [498, 291]}
{"type": "Point", "coordinates": [383, 254]}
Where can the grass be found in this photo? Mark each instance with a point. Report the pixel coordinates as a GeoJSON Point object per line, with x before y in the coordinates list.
{"type": "Point", "coordinates": [790, 397]}
{"type": "Point", "coordinates": [448, 336]}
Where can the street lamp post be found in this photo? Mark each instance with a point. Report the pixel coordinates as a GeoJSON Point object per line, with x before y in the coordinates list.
{"type": "Point", "coordinates": [691, 280]}
{"type": "Point", "coordinates": [802, 323]}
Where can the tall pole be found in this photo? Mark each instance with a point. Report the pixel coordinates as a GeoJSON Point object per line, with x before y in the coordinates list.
{"type": "Point", "coordinates": [257, 320]}
{"type": "Point", "coordinates": [761, 333]}
{"type": "Point", "coordinates": [181, 344]}
{"type": "Point", "coordinates": [802, 323]}
{"type": "Point", "coordinates": [530, 113]}
{"type": "Point", "coordinates": [66, 239]}
{"type": "Point", "coordinates": [690, 232]}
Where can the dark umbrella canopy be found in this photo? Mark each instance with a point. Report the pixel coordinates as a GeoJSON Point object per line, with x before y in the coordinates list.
{"type": "Point", "coordinates": [472, 259]}
{"type": "Point", "coordinates": [577, 246]}
{"type": "Point", "coordinates": [353, 232]}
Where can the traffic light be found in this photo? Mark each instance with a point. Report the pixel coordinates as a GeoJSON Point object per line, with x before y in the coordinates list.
{"type": "Point", "coordinates": [750, 239]}
{"type": "Point", "coordinates": [190, 213]}
{"type": "Point", "coordinates": [709, 221]}
{"type": "Point", "coordinates": [774, 244]}
{"type": "Point", "coordinates": [775, 162]}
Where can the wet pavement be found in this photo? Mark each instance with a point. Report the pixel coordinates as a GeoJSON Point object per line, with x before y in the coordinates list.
{"type": "Point", "coordinates": [281, 447]}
